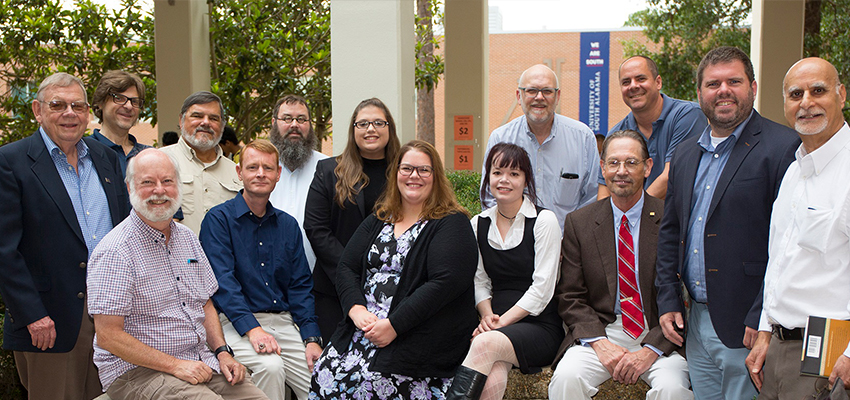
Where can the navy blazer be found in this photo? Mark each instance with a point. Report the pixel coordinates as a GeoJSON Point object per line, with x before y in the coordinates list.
{"type": "Point", "coordinates": [736, 230]}
{"type": "Point", "coordinates": [43, 255]}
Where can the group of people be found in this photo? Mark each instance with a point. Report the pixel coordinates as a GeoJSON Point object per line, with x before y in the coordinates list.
{"type": "Point", "coordinates": [688, 254]}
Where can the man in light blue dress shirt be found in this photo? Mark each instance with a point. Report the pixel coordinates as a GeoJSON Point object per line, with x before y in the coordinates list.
{"type": "Point", "coordinates": [563, 151]}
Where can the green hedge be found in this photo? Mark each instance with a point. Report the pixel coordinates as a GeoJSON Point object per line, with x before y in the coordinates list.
{"type": "Point", "coordinates": [465, 184]}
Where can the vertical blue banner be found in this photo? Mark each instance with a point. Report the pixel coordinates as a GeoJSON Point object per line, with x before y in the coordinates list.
{"type": "Point", "coordinates": [593, 81]}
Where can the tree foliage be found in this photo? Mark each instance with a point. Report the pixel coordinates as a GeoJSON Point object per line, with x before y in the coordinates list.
{"type": "Point", "coordinates": [826, 36]}
{"type": "Point", "coordinates": [683, 31]}
{"type": "Point", "coordinates": [264, 49]}
{"type": "Point", "coordinates": [40, 38]}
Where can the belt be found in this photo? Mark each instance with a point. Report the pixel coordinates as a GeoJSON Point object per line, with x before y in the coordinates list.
{"type": "Point", "coordinates": [784, 333]}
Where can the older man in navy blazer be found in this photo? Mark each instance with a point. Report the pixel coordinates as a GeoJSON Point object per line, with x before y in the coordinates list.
{"type": "Point", "coordinates": [714, 233]}
{"type": "Point", "coordinates": [61, 194]}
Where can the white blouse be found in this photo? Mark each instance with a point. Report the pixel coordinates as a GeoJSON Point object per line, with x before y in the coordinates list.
{"type": "Point", "coordinates": [547, 252]}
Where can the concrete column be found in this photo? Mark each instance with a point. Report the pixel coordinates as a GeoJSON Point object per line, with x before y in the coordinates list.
{"type": "Point", "coordinates": [775, 45]}
{"type": "Point", "coordinates": [182, 42]}
{"type": "Point", "coordinates": [467, 51]}
{"type": "Point", "coordinates": [373, 55]}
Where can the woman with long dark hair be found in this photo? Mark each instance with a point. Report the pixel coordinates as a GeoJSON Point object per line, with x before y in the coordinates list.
{"type": "Point", "coordinates": [343, 193]}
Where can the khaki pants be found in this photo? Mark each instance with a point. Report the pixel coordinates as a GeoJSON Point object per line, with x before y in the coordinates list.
{"type": "Point", "coordinates": [146, 384]}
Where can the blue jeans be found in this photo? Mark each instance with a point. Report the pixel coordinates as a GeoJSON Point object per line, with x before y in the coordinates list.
{"type": "Point", "coordinates": [716, 371]}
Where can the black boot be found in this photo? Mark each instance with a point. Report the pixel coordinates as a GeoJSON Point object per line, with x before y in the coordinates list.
{"type": "Point", "coordinates": [467, 384]}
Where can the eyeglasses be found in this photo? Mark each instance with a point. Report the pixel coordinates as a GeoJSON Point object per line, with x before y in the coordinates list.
{"type": "Point", "coordinates": [424, 171]}
{"type": "Point", "coordinates": [120, 99]}
{"type": "Point", "coordinates": [532, 92]}
{"type": "Point", "coordinates": [78, 107]}
{"type": "Point", "coordinates": [631, 164]}
{"type": "Point", "coordinates": [287, 119]}
{"type": "Point", "coordinates": [378, 124]}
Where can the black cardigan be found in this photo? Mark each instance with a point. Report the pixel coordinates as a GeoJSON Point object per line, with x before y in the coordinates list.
{"type": "Point", "coordinates": [433, 310]}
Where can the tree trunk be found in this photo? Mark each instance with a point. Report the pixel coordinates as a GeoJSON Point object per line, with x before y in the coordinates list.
{"type": "Point", "coordinates": [425, 97]}
{"type": "Point", "coordinates": [812, 25]}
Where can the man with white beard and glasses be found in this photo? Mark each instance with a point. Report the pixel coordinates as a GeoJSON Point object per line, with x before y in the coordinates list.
{"type": "Point", "coordinates": [208, 178]}
{"type": "Point", "coordinates": [292, 134]}
{"type": "Point", "coordinates": [149, 288]}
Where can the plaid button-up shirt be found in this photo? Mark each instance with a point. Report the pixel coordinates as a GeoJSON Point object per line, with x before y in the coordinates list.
{"type": "Point", "coordinates": [159, 288]}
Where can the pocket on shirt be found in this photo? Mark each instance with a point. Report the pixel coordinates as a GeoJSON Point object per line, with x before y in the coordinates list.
{"type": "Point", "coordinates": [188, 204]}
{"type": "Point", "coordinates": [232, 186]}
{"type": "Point", "coordinates": [815, 225]}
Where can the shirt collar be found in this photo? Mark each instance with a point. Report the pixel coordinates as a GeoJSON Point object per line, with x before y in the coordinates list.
{"type": "Point", "coordinates": [705, 139]}
{"type": "Point", "coordinates": [816, 161]}
{"type": "Point", "coordinates": [52, 148]}
{"type": "Point", "coordinates": [105, 140]}
{"type": "Point", "coordinates": [189, 152]}
{"type": "Point", "coordinates": [241, 209]}
{"type": "Point", "coordinates": [527, 209]}
{"type": "Point", "coordinates": [632, 214]}
{"type": "Point", "coordinates": [148, 231]}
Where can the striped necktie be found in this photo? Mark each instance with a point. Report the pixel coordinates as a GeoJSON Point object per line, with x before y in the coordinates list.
{"type": "Point", "coordinates": [630, 303]}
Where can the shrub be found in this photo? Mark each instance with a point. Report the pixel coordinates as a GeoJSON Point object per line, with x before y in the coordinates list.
{"type": "Point", "coordinates": [466, 185]}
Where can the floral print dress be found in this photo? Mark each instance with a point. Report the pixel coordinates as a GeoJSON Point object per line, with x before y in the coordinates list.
{"type": "Point", "coordinates": [346, 375]}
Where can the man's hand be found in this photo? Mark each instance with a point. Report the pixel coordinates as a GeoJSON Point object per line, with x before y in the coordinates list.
{"type": "Point", "coordinates": [633, 365]}
{"type": "Point", "coordinates": [841, 370]}
{"type": "Point", "coordinates": [361, 317]}
{"type": "Point", "coordinates": [609, 354]}
{"type": "Point", "coordinates": [750, 336]}
{"type": "Point", "coordinates": [194, 372]}
{"type": "Point", "coordinates": [312, 352]}
{"type": "Point", "coordinates": [488, 323]}
{"type": "Point", "coordinates": [755, 360]}
{"type": "Point", "coordinates": [232, 370]}
{"type": "Point", "coordinates": [380, 332]}
{"type": "Point", "coordinates": [263, 342]}
{"type": "Point", "coordinates": [43, 333]}
{"type": "Point", "coordinates": [669, 323]}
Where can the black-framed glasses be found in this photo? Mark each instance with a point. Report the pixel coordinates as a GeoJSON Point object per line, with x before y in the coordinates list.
{"type": "Point", "coordinates": [287, 119]}
{"type": "Point", "coordinates": [78, 107]}
{"type": "Point", "coordinates": [532, 92]}
{"type": "Point", "coordinates": [120, 99]}
{"type": "Point", "coordinates": [631, 164]}
{"type": "Point", "coordinates": [378, 124]}
{"type": "Point", "coordinates": [424, 171]}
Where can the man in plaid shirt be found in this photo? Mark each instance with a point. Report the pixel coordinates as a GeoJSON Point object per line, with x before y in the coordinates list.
{"type": "Point", "coordinates": [149, 286]}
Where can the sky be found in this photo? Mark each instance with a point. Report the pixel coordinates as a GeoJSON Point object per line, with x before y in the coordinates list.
{"type": "Point", "coordinates": [559, 15]}
{"type": "Point", "coordinates": [536, 15]}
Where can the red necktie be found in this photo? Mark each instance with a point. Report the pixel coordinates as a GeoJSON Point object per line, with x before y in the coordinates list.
{"type": "Point", "coordinates": [630, 304]}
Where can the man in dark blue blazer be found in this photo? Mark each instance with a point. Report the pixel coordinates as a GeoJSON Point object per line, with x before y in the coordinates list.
{"type": "Point", "coordinates": [61, 194]}
{"type": "Point", "coordinates": [714, 234]}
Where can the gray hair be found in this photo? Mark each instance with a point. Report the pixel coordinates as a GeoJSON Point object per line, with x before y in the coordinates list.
{"type": "Point", "coordinates": [60, 79]}
{"type": "Point", "coordinates": [131, 167]}
{"type": "Point", "coordinates": [625, 133]}
{"type": "Point", "coordinates": [202, 97]}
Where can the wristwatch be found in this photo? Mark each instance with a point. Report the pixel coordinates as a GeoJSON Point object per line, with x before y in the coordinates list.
{"type": "Point", "coordinates": [222, 349]}
{"type": "Point", "coordinates": [314, 339]}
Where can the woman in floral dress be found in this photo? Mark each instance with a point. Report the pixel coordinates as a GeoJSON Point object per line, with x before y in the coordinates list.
{"type": "Point", "coordinates": [406, 282]}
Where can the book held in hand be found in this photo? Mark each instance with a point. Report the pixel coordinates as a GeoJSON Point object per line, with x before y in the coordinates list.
{"type": "Point", "coordinates": [824, 341]}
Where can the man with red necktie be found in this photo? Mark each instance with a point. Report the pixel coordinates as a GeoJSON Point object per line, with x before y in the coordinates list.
{"type": "Point", "coordinates": [606, 292]}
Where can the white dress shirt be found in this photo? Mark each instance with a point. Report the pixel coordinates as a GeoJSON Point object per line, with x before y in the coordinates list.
{"type": "Point", "coordinates": [290, 196]}
{"type": "Point", "coordinates": [808, 272]}
{"type": "Point", "coordinates": [547, 252]}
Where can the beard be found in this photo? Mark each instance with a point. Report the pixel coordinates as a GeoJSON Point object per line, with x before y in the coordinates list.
{"type": "Point", "coordinates": [155, 215]}
{"type": "Point", "coordinates": [807, 128]}
{"type": "Point", "coordinates": [295, 149]}
{"type": "Point", "coordinates": [197, 142]}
